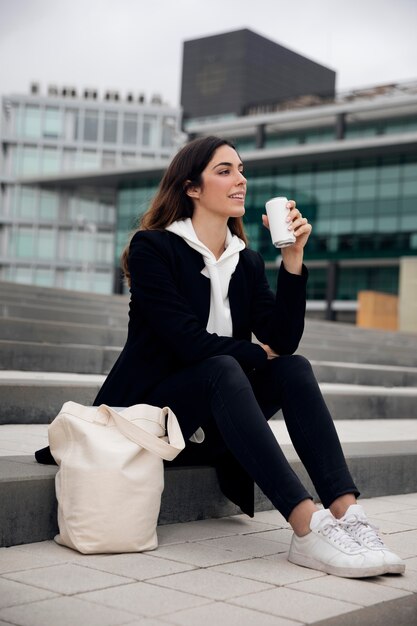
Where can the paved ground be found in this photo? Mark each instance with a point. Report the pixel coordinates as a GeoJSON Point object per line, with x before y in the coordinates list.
{"type": "Point", "coordinates": [233, 571]}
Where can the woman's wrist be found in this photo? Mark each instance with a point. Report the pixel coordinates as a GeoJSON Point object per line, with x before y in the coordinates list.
{"type": "Point", "coordinates": [293, 260]}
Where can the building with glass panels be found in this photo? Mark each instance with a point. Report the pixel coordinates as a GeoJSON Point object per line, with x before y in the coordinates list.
{"type": "Point", "coordinates": [350, 164]}
{"type": "Point", "coordinates": [63, 236]}
{"type": "Point", "coordinates": [352, 167]}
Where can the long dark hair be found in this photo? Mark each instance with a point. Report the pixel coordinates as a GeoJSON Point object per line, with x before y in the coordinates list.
{"type": "Point", "coordinates": [171, 202]}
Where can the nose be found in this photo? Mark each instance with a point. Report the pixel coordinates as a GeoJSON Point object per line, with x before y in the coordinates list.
{"type": "Point", "coordinates": [241, 179]}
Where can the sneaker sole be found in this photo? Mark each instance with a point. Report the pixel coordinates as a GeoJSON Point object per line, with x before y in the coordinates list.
{"type": "Point", "coordinates": [344, 572]}
{"type": "Point", "coordinates": [395, 569]}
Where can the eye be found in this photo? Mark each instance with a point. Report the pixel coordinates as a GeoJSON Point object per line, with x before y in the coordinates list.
{"type": "Point", "coordinates": [224, 172]}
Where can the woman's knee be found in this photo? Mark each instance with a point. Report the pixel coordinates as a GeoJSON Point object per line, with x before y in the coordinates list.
{"type": "Point", "coordinates": [225, 369]}
{"type": "Point", "coordinates": [294, 367]}
{"type": "Point", "coordinates": [300, 362]}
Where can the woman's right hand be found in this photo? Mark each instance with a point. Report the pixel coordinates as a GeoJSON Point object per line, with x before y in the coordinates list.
{"type": "Point", "coordinates": [269, 351]}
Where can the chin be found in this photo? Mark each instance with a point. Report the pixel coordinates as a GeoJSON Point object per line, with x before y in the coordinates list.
{"type": "Point", "coordinates": [238, 212]}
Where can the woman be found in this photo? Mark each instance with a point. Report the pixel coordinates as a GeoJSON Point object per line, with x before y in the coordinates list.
{"type": "Point", "coordinates": [197, 295]}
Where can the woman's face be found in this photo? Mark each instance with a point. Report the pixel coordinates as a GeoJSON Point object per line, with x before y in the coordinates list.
{"type": "Point", "coordinates": [223, 187]}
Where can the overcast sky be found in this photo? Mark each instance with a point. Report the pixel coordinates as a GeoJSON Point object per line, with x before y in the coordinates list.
{"type": "Point", "coordinates": [136, 45]}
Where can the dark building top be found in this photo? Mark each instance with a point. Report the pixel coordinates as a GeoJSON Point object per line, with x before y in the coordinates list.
{"type": "Point", "coordinates": [233, 73]}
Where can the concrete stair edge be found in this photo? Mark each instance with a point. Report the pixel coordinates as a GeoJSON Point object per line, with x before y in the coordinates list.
{"type": "Point", "coordinates": [27, 490]}
{"type": "Point", "coordinates": [38, 402]}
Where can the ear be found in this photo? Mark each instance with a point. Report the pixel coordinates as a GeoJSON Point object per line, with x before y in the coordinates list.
{"type": "Point", "coordinates": [191, 190]}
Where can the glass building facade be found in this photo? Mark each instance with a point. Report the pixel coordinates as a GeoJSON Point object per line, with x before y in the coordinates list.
{"type": "Point", "coordinates": [350, 165]}
{"type": "Point", "coordinates": [360, 209]}
{"type": "Point", "coordinates": [64, 236]}
{"type": "Point", "coordinates": [355, 180]}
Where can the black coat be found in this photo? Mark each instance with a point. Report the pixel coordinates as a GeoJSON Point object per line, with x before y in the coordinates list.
{"type": "Point", "coordinates": [169, 309]}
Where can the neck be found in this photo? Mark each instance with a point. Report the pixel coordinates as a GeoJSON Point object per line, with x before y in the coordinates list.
{"type": "Point", "coordinates": [212, 233]}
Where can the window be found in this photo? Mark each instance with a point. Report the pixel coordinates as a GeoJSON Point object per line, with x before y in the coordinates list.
{"type": "Point", "coordinates": [102, 282]}
{"type": "Point", "coordinates": [23, 275]}
{"type": "Point", "coordinates": [361, 130]}
{"type": "Point", "coordinates": [89, 160]}
{"type": "Point", "coordinates": [91, 126]}
{"type": "Point", "coordinates": [72, 124]}
{"type": "Point", "coordinates": [130, 128]}
{"type": "Point", "coordinates": [319, 135]}
{"type": "Point", "coordinates": [27, 207]}
{"type": "Point", "coordinates": [367, 172]}
{"type": "Point", "coordinates": [150, 130]}
{"type": "Point", "coordinates": [48, 208]}
{"type": "Point", "coordinates": [282, 139]}
{"type": "Point", "coordinates": [23, 243]}
{"type": "Point", "coordinates": [29, 163]}
{"type": "Point", "coordinates": [109, 159]}
{"type": "Point", "coordinates": [104, 248]}
{"type": "Point", "coordinates": [68, 159]}
{"type": "Point", "coordinates": [44, 277]}
{"type": "Point", "coordinates": [169, 131]}
{"type": "Point", "coordinates": [129, 158]}
{"type": "Point", "coordinates": [50, 161]}
{"type": "Point", "coordinates": [52, 122]}
{"type": "Point", "coordinates": [389, 188]}
{"type": "Point", "coordinates": [46, 243]}
{"type": "Point", "coordinates": [80, 281]}
{"type": "Point", "coordinates": [110, 127]}
{"type": "Point", "coordinates": [80, 246]}
{"type": "Point", "coordinates": [32, 122]}
{"type": "Point", "coordinates": [16, 119]}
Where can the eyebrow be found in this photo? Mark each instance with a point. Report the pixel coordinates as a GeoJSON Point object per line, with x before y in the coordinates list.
{"type": "Point", "coordinates": [227, 164]}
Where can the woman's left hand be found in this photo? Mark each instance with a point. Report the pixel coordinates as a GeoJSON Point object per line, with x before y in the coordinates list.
{"type": "Point", "coordinates": [292, 256]}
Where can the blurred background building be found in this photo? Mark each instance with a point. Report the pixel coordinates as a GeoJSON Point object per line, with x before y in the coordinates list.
{"type": "Point", "coordinates": [66, 237]}
{"type": "Point", "coordinates": [349, 159]}
{"type": "Point", "coordinates": [233, 74]}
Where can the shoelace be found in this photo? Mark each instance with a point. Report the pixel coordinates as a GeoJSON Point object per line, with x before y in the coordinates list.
{"type": "Point", "coordinates": [335, 531]}
{"type": "Point", "coordinates": [363, 531]}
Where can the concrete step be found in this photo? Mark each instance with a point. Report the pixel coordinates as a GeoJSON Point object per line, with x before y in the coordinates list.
{"type": "Point", "coordinates": [370, 402]}
{"type": "Point", "coordinates": [358, 342]}
{"type": "Point", "coordinates": [365, 374]}
{"type": "Point", "coordinates": [61, 332]}
{"type": "Point", "coordinates": [27, 490]}
{"type": "Point", "coordinates": [356, 339]}
{"type": "Point", "coordinates": [53, 332]}
{"type": "Point", "coordinates": [36, 398]}
{"type": "Point", "coordinates": [52, 357]}
{"type": "Point", "coordinates": [347, 353]}
{"type": "Point", "coordinates": [36, 293]}
{"type": "Point", "coordinates": [62, 313]}
{"type": "Point", "coordinates": [349, 331]}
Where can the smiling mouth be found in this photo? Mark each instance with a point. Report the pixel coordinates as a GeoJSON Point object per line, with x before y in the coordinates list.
{"type": "Point", "coordinates": [238, 196]}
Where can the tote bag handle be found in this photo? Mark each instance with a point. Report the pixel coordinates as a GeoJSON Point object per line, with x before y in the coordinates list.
{"type": "Point", "coordinates": [166, 450]}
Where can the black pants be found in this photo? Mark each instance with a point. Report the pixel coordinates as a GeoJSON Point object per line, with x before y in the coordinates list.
{"type": "Point", "coordinates": [218, 390]}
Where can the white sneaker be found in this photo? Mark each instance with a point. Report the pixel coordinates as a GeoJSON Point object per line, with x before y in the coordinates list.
{"type": "Point", "coordinates": [329, 548]}
{"type": "Point", "coordinates": [358, 526]}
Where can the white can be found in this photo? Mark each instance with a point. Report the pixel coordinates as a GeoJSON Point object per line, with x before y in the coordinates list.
{"type": "Point", "coordinates": [277, 212]}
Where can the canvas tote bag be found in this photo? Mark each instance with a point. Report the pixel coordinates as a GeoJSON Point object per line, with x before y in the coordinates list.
{"type": "Point", "coordinates": [111, 474]}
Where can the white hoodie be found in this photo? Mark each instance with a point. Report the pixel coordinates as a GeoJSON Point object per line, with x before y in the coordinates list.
{"type": "Point", "coordinates": [219, 271]}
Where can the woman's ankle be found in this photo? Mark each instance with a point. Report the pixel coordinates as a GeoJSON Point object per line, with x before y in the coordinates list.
{"type": "Point", "coordinates": [300, 517]}
{"type": "Point", "coordinates": [339, 506]}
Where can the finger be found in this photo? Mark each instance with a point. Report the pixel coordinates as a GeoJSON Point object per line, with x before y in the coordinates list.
{"type": "Point", "coordinates": [293, 214]}
{"type": "Point", "coordinates": [265, 221]}
{"type": "Point", "coordinates": [304, 229]}
{"type": "Point", "coordinates": [297, 222]}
